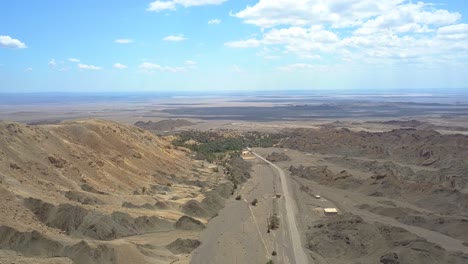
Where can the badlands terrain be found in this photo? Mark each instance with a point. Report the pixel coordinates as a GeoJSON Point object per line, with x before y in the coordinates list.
{"type": "Point", "coordinates": [94, 191]}
{"type": "Point", "coordinates": [172, 180]}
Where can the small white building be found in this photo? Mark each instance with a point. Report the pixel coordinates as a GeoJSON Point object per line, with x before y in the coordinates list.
{"type": "Point", "coordinates": [330, 211]}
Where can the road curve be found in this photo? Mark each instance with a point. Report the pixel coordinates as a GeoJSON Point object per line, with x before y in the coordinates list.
{"type": "Point", "coordinates": [299, 253]}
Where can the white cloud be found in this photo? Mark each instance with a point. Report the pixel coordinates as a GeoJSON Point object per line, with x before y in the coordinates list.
{"type": "Point", "coordinates": [298, 40]}
{"type": "Point", "coordinates": [52, 63]}
{"type": "Point", "coordinates": [355, 30]}
{"type": "Point", "coordinates": [342, 13]}
{"type": "Point", "coordinates": [214, 22]}
{"type": "Point", "coordinates": [120, 66]}
{"type": "Point", "coordinates": [28, 69]}
{"type": "Point", "coordinates": [304, 67]}
{"type": "Point", "coordinates": [158, 5]}
{"type": "Point", "coordinates": [191, 64]}
{"type": "Point", "coordinates": [188, 3]}
{"type": "Point", "coordinates": [58, 65]}
{"type": "Point", "coordinates": [236, 69]}
{"type": "Point", "coordinates": [123, 41]}
{"type": "Point", "coordinates": [269, 53]}
{"type": "Point", "coordinates": [73, 60]}
{"type": "Point", "coordinates": [453, 32]}
{"type": "Point", "coordinates": [175, 38]}
{"type": "Point", "coordinates": [453, 29]}
{"type": "Point", "coordinates": [9, 42]}
{"type": "Point", "coordinates": [339, 13]}
{"type": "Point", "coordinates": [82, 66]}
{"type": "Point", "coordinates": [149, 67]}
{"type": "Point", "coordinates": [297, 35]}
{"type": "Point", "coordinates": [408, 18]}
{"type": "Point", "coordinates": [249, 43]}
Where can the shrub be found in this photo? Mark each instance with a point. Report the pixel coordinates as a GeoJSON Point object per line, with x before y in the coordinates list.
{"type": "Point", "coordinates": [238, 197]}
{"type": "Point", "coordinates": [254, 202]}
{"type": "Point", "coordinates": [274, 222]}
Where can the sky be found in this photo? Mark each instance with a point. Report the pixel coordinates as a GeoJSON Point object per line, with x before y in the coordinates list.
{"type": "Point", "coordinates": [232, 45]}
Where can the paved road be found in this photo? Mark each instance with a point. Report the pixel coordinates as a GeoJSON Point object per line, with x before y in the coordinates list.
{"type": "Point", "coordinates": [299, 253]}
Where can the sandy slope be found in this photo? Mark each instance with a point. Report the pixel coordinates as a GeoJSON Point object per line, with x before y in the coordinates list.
{"type": "Point", "coordinates": [78, 189]}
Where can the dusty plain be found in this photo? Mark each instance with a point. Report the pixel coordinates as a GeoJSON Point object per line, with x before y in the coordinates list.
{"type": "Point", "coordinates": [81, 184]}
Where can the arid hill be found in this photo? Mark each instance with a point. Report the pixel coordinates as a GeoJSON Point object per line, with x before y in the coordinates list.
{"type": "Point", "coordinates": [70, 190]}
{"type": "Point", "coordinates": [411, 178]}
{"type": "Point", "coordinates": [445, 153]}
{"type": "Point", "coordinates": [164, 125]}
{"type": "Point", "coordinates": [419, 125]}
{"type": "Point", "coordinates": [424, 167]}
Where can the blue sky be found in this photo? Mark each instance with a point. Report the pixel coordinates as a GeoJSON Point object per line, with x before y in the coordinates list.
{"type": "Point", "coordinates": [198, 45]}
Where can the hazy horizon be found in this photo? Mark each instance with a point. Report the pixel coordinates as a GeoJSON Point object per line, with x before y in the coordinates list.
{"type": "Point", "coordinates": [442, 96]}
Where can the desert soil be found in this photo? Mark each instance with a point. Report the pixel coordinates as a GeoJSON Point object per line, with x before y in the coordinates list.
{"type": "Point", "coordinates": [350, 204]}
{"type": "Point", "coordinates": [95, 191]}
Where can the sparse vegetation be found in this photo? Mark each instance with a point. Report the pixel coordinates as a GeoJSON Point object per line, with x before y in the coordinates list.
{"type": "Point", "coordinates": [238, 197]}
{"type": "Point", "coordinates": [273, 222]}
{"type": "Point", "coordinates": [273, 253]}
{"type": "Point", "coordinates": [164, 125]}
{"type": "Point", "coordinates": [254, 202]}
{"type": "Point", "coordinates": [210, 145]}
{"type": "Point", "coordinates": [275, 157]}
{"type": "Point", "coordinates": [213, 145]}
{"type": "Point", "coordinates": [262, 140]}
{"type": "Point", "coordinates": [237, 169]}
{"type": "Point", "coordinates": [270, 262]}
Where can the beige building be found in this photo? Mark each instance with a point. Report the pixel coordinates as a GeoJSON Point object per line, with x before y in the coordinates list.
{"type": "Point", "coordinates": [330, 211]}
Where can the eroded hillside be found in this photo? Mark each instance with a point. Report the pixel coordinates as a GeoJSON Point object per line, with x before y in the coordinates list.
{"type": "Point", "coordinates": [445, 154]}
{"type": "Point", "coordinates": [89, 191]}
{"type": "Point", "coordinates": [402, 195]}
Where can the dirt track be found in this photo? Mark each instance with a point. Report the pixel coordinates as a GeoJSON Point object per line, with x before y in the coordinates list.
{"type": "Point", "coordinates": [233, 236]}
{"type": "Point", "coordinates": [349, 202]}
{"type": "Point", "coordinates": [239, 233]}
{"type": "Point", "coordinates": [291, 209]}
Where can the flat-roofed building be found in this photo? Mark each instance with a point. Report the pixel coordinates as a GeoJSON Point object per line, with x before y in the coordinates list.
{"type": "Point", "coordinates": [330, 211]}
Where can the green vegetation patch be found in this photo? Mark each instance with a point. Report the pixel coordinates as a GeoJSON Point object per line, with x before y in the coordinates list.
{"type": "Point", "coordinates": [213, 145]}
